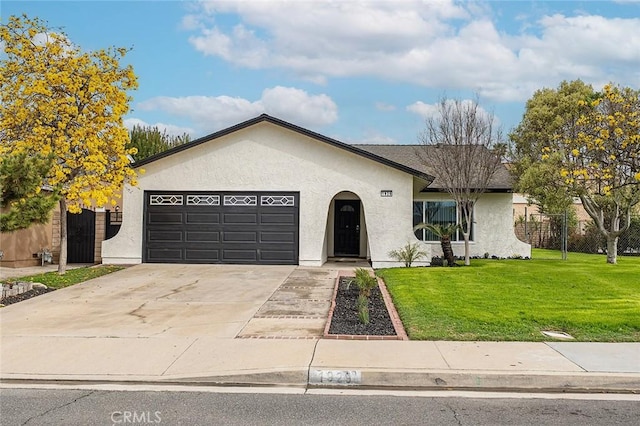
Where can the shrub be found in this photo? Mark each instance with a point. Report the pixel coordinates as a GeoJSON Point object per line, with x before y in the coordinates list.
{"type": "Point", "coordinates": [591, 242]}
{"type": "Point", "coordinates": [437, 261]}
{"type": "Point", "coordinates": [408, 254]}
{"type": "Point", "coordinates": [365, 281]}
{"type": "Point", "coordinates": [629, 242]}
{"type": "Point", "coordinates": [363, 309]}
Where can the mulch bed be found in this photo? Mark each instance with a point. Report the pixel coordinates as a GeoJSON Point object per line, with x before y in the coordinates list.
{"type": "Point", "coordinates": [345, 314]}
{"type": "Point", "coordinates": [24, 296]}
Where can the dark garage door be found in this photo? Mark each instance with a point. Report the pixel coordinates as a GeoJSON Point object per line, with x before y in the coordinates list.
{"type": "Point", "coordinates": [221, 227]}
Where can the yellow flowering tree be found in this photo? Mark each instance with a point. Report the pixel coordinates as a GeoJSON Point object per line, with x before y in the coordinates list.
{"type": "Point", "coordinates": [600, 160]}
{"type": "Point", "coordinates": [58, 101]}
{"type": "Point", "coordinates": [550, 115]}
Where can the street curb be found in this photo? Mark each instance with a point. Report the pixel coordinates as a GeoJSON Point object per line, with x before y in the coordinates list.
{"type": "Point", "coordinates": [481, 381]}
{"type": "Point", "coordinates": [499, 381]}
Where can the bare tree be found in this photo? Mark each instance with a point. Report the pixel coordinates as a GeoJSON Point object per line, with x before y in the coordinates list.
{"type": "Point", "coordinates": [464, 149]}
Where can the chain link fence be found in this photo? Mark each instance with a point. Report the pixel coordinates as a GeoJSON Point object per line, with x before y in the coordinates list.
{"type": "Point", "coordinates": [560, 234]}
{"type": "Point", "coordinates": [591, 240]}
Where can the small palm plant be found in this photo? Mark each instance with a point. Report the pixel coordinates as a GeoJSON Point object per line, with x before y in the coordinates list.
{"type": "Point", "coordinates": [363, 309]}
{"type": "Point", "coordinates": [365, 282]}
{"type": "Point", "coordinates": [444, 232]}
{"type": "Point", "coordinates": [408, 254]}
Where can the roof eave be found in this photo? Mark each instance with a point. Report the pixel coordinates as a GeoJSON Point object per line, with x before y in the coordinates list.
{"type": "Point", "coordinates": [487, 190]}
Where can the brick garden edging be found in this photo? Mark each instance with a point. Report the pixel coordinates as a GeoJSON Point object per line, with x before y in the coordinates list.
{"type": "Point", "coordinates": [391, 309]}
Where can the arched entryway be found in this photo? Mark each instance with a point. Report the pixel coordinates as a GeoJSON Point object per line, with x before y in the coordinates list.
{"type": "Point", "coordinates": [347, 231]}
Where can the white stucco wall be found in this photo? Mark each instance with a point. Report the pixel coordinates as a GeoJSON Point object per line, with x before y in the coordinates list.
{"type": "Point", "coordinates": [266, 157]}
{"type": "Point", "coordinates": [494, 231]}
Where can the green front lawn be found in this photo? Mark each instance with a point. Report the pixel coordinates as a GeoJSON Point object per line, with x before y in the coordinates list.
{"type": "Point", "coordinates": [517, 299]}
{"type": "Point", "coordinates": [72, 276]}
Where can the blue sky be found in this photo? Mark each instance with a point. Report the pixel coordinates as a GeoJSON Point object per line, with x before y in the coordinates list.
{"type": "Point", "coordinates": [361, 72]}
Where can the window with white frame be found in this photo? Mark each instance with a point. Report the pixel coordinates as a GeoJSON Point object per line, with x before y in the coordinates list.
{"type": "Point", "coordinates": [436, 213]}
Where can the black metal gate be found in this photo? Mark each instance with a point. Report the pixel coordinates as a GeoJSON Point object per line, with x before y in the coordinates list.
{"type": "Point", "coordinates": [81, 237]}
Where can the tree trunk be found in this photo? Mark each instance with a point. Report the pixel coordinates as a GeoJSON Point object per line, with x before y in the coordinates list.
{"type": "Point", "coordinates": [447, 251]}
{"type": "Point", "coordinates": [597, 213]}
{"type": "Point", "coordinates": [612, 249]}
{"type": "Point", "coordinates": [62, 263]}
{"type": "Point", "coordinates": [465, 227]}
{"type": "Point", "coordinates": [467, 249]}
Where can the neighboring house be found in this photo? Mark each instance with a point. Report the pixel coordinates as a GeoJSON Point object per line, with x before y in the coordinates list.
{"type": "Point", "coordinates": [535, 227]}
{"type": "Point", "coordinates": [268, 192]}
{"type": "Point", "coordinates": [85, 233]}
{"type": "Point", "coordinates": [21, 248]}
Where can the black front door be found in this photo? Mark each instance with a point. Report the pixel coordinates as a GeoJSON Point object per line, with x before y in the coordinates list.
{"type": "Point", "coordinates": [347, 228]}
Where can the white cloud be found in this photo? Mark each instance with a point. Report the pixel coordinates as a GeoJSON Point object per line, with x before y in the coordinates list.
{"type": "Point", "coordinates": [211, 113]}
{"type": "Point", "coordinates": [444, 44]}
{"type": "Point", "coordinates": [302, 108]}
{"type": "Point", "coordinates": [382, 106]}
{"type": "Point", "coordinates": [190, 23]}
{"type": "Point", "coordinates": [433, 110]}
{"type": "Point", "coordinates": [423, 110]}
{"type": "Point", "coordinates": [170, 129]}
{"type": "Point", "coordinates": [374, 139]}
{"type": "Point", "coordinates": [207, 112]}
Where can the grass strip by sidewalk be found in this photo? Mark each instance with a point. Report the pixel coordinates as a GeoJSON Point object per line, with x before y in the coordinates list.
{"type": "Point", "coordinates": [514, 300]}
{"type": "Point", "coordinates": [71, 277]}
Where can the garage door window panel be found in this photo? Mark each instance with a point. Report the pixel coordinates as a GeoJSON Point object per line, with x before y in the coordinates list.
{"type": "Point", "coordinates": [240, 200]}
{"type": "Point", "coordinates": [203, 200]}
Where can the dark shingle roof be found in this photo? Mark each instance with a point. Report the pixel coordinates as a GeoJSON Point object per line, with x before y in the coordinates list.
{"type": "Point", "coordinates": [407, 158]}
{"type": "Point", "coordinates": [416, 157]}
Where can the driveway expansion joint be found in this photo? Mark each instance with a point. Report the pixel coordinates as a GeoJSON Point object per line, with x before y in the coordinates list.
{"type": "Point", "coordinates": [256, 336]}
{"type": "Point", "coordinates": [291, 316]}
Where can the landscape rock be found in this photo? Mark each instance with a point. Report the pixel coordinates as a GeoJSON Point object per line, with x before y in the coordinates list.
{"type": "Point", "coordinates": [345, 321]}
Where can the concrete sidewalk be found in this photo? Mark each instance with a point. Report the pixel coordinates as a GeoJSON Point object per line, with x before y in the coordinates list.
{"type": "Point", "coordinates": [181, 324]}
{"type": "Point", "coordinates": [595, 367]}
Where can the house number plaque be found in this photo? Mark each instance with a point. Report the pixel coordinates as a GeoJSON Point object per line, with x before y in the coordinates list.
{"type": "Point", "coordinates": [335, 377]}
{"type": "Point", "coordinates": [386, 193]}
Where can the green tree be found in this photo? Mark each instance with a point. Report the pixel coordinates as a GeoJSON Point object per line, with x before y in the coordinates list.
{"type": "Point", "coordinates": [148, 141]}
{"type": "Point", "coordinates": [549, 116]}
{"type": "Point", "coordinates": [59, 102]}
{"type": "Point", "coordinates": [22, 199]}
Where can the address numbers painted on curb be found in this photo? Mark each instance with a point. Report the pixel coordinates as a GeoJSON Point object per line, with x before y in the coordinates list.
{"type": "Point", "coordinates": [335, 377]}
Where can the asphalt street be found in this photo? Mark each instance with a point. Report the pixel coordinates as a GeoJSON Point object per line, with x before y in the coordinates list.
{"type": "Point", "coordinates": [108, 407]}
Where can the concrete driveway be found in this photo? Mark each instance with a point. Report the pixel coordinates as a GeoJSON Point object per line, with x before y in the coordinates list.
{"type": "Point", "coordinates": [159, 322]}
{"type": "Point", "coordinates": [150, 300]}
